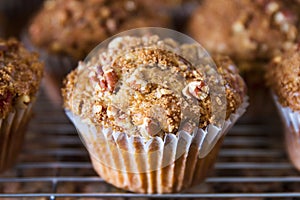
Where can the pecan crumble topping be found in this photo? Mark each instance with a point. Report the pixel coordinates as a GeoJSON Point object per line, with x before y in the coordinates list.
{"type": "Point", "coordinates": [139, 86]}
{"type": "Point", "coordinates": [283, 77]}
{"type": "Point", "coordinates": [20, 75]}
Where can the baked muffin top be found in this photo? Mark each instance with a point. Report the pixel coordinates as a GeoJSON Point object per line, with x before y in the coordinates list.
{"type": "Point", "coordinates": [283, 75]}
{"type": "Point", "coordinates": [20, 75]}
{"type": "Point", "coordinates": [245, 29]}
{"type": "Point", "coordinates": [75, 27]}
{"type": "Point", "coordinates": [147, 86]}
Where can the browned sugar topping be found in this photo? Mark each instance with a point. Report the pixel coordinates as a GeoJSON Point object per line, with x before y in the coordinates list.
{"type": "Point", "coordinates": [283, 77]}
{"type": "Point", "coordinates": [149, 102]}
{"type": "Point", "coordinates": [20, 75]}
{"type": "Point", "coordinates": [245, 29]}
{"type": "Point", "coordinates": [75, 27]}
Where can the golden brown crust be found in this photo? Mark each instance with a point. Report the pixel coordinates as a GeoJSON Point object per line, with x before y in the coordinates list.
{"type": "Point", "coordinates": [283, 78]}
{"type": "Point", "coordinates": [150, 99]}
{"type": "Point", "coordinates": [20, 75]}
{"type": "Point", "coordinates": [245, 29]}
{"type": "Point", "coordinates": [74, 27]}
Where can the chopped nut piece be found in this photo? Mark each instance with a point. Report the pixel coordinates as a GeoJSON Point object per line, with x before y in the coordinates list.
{"type": "Point", "coordinates": [218, 100]}
{"type": "Point", "coordinates": [161, 92]}
{"type": "Point", "coordinates": [97, 108]}
{"type": "Point", "coordinates": [272, 7]}
{"type": "Point", "coordinates": [238, 27]}
{"type": "Point", "coordinates": [111, 79]}
{"type": "Point", "coordinates": [197, 89]}
{"type": "Point", "coordinates": [152, 127]}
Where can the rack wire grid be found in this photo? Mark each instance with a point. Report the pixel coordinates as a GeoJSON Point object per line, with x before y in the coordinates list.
{"type": "Point", "coordinates": [54, 164]}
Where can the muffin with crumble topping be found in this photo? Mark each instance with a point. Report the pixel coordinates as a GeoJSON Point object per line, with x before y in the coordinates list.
{"type": "Point", "coordinates": [251, 32]}
{"type": "Point", "coordinates": [245, 29]}
{"type": "Point", "coordinates": [64, 31]}
{"type": "Point", "coordinates": [145, 109]}
{"type": "Point", "coordinates": [20, 76]}
{"type": "Point", "coordinates": [283, 79]}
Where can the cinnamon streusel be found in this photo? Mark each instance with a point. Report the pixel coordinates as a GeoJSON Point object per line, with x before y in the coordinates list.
{"type": "Point", "coordinates": [20, 76]}
{"type": "Point", "coordinates": [142, 96]}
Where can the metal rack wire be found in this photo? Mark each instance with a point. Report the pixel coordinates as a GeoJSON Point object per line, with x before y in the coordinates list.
{"type": "Point", "coordinates": [55, 165]}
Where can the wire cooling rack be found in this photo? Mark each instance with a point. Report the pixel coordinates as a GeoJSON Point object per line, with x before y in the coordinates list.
{"type": "Point", "coordinates": [55, 165]}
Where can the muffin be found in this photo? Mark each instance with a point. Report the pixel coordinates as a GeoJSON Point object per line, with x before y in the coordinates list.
{"type": "Point", "coordinates": [283, 78]}
{"type": "Point", "coordinates": [245, 29]}
{"type": "Point", "coordinates": [20, 75]}
{"type": "Point", "coordinates": [251, 32]}
{"type": "Point", "coordinates": [151, 111]}
{"type": "Point", "coordinates": [64, 31]}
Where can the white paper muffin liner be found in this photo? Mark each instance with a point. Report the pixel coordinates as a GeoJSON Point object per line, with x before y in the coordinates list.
{"type": "Point", "coordinates": [12, 131]}
{"type": "Point", "coordinates": [291, 120]}
{"type": "Point", "coordinates": [135, 164]}
{"type": "Point", "coordinates": [289, 117]}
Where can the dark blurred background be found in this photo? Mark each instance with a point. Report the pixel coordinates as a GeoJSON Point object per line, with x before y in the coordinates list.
{"type": "Point", "coordinates": [15, 14]}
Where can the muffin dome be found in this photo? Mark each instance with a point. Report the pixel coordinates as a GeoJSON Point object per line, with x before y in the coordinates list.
{"type": "Point", "coordinates": [20, 75]}
{"type": "Point", "coordinates": [283, 77]}
{"type": "Point", "coordinates": [75, 27]}
{"type": "Point", "coordinates": [137, 90]}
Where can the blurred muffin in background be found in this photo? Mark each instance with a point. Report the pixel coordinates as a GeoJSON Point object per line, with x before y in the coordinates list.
{"type": "Point", "coordinates": [20, 76]}
{"type": "Point", "coordinates": [251, 32]}
{"type": "Point", "coordinates": [283, 78]}
{"type": "Point", "coordinates": [245, 29]}
{"type": "Point", "coordinates": [64, 31]}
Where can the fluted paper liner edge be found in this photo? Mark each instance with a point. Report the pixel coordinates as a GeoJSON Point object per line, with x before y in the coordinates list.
{"type": "Point", "coordinates": [289, 117]}
{"type": "Point", "coordinates": [12, 135]}
{"type": "Point", "coordinates": [103, 144]}
{"type": "Point", "coordinates": [291, 120]}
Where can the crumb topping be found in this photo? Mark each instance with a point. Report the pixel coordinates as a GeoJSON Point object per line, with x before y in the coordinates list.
{"type": "Point", "coordinates": [75, 27]}
{"type": "Point", "coordinates": [245, 29]}
{"type": "Point", "coordinates": [20, 75]}
{"type": "Point", "coordinates": [141, 87]}
{"type": "Point", "coordinates": [282, 76]}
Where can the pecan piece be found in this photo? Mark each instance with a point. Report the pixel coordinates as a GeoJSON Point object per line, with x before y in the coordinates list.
{"type": "Point", "coordinates": [152, 127]}
{"type": "Point", "coordinates": [103, 83]}
{"type": "Point", "coordinates": [111, 79]}
{"type": "Point", "coordinates": [197, 89]}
